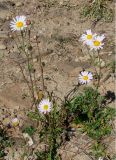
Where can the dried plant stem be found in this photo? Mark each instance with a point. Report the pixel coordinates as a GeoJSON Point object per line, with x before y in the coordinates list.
{"type": "Point", "coordinates": [71, 92]}
{"type": "Point", "coordinates": [28, 66]}
{"type": "Point", "coordinates": [34, 76]}
{"type": "Point", "coordinates": [24, 77]}
{"type": "Point", "coordinates": [22, 72]}
{"type": "Point", "coordinates": [29, 84]}
{"type": "Point", "coordinates": [41, 67]}
{"type": "Point", "coordinates": [30, 75]}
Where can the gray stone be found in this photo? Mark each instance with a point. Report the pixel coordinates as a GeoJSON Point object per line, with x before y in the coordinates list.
{"type": "Point", "coordinates": [2, 46]}
{"type": "Point", "coordinates": [19, 4]}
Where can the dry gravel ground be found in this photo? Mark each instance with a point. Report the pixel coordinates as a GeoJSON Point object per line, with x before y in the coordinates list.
{"type": "Point", "coordinates": [59, 25]}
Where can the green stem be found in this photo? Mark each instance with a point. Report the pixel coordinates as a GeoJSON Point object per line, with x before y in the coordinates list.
{"type": "Point", "coordinates": [98, 73]}
{"type": "Point", "coordinates": [99, 77]}
{"type": "Point", "coordinates": [28, 65]}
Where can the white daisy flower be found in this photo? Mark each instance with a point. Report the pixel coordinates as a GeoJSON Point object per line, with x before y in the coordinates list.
{"type": "Point", "coordinates": [88, 37]}
{"type": "Point", "coordinates": [100, 158]}
{"type": "Point", "coordinates": [15, 122]}
{"type": "Point", "coordinates": [18, 23]}
{"type": "Point", "coordinates": [45, 106]}
{"type": "Point", "coordinates": [97, 43]}
{"type": "Point", "coordinates": [85, 77]}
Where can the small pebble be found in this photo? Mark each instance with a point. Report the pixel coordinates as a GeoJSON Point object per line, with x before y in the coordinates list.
{"type": "Point", "coordinates": [19, 4]}
{"type": "Point", "coordinates": [2, 47]}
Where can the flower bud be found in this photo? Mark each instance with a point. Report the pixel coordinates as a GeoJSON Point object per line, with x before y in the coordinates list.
{"type": "Point", "coordinates": [15, 122]}
{"type": "Point", "coordinates": [28, 22]}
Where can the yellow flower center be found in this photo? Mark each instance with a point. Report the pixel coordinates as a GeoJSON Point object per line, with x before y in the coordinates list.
{"type": "Point", "coordinates": [89, 36]}
{"type": "Point", "coordinates": [19, 24]}
{"type": "Point", "coordinates": [85, 78]}
{"type": "Point", "coordinates": [97, 43]}
{"type": "Point", "coordinates": [15, 122]}
{"type": "Point", "coordinates": [46, 107]}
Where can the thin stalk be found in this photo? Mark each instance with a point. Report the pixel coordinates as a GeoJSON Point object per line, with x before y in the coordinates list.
{"type": "Point", "coordinates": [23, 75]}
{"type": "Point", "coordinates": [92, 61]}
{"type": "Point", "coordinates": [99, 77]}
{"type": "Point", "coordinates": [98, 74]}
{"type": "Point", "coordinates": [46, 137]}
{"type": "Point", "coordinates": [28, 65]}
{"type": "Point", "coordinates": [41, 67]}
{"type": "Point", "coordinates": [30, 75]}
{"type": "Point", "coordinates": [34, 76]}
{"type": "Point", "coordinates": [52, 131]}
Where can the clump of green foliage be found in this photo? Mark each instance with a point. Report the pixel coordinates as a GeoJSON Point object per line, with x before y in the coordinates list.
{"type": "Point", "coordinates": [90, 109]}
{"type": "Point", "coordinates": [4, 141]}
{"type": "Point", "coordinates": [98, 9]}
{"type": "Point", "coordinates": [87, 108]}
{"type": "Point", "coordinates": [46, 155]}
{"type": "Point", "coordinates": [51, 132]}
{"type": "Point", "coordinates": [114, 157]}
{"type": "Point", "coordinates": [30, 130]}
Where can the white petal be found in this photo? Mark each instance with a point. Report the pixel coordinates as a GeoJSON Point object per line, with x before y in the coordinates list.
{"type": "Point", "coordinates": [83, 37]}
{"type": "Point", "coordinates": [17, 18]}
{"type": "Point", "coordinates": [89, 42]}
{"type": "Point", "coordinates": [12, 23]}
{"type": "Point", "coordinates": [88, 31]}
{"type": "Point", "coordinates": [84, 73]}
{"type": "Point", "coordinates": [89, 74]}
{"type": "Point", "coordinates": [100, 38]}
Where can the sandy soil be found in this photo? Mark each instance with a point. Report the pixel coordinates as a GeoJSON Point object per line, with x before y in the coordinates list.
{"type": "Point", "coordinates": [59, 25]}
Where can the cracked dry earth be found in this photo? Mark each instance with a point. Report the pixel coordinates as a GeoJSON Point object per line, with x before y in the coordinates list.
{"type": "Point", "coordinates": [59, 25]}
